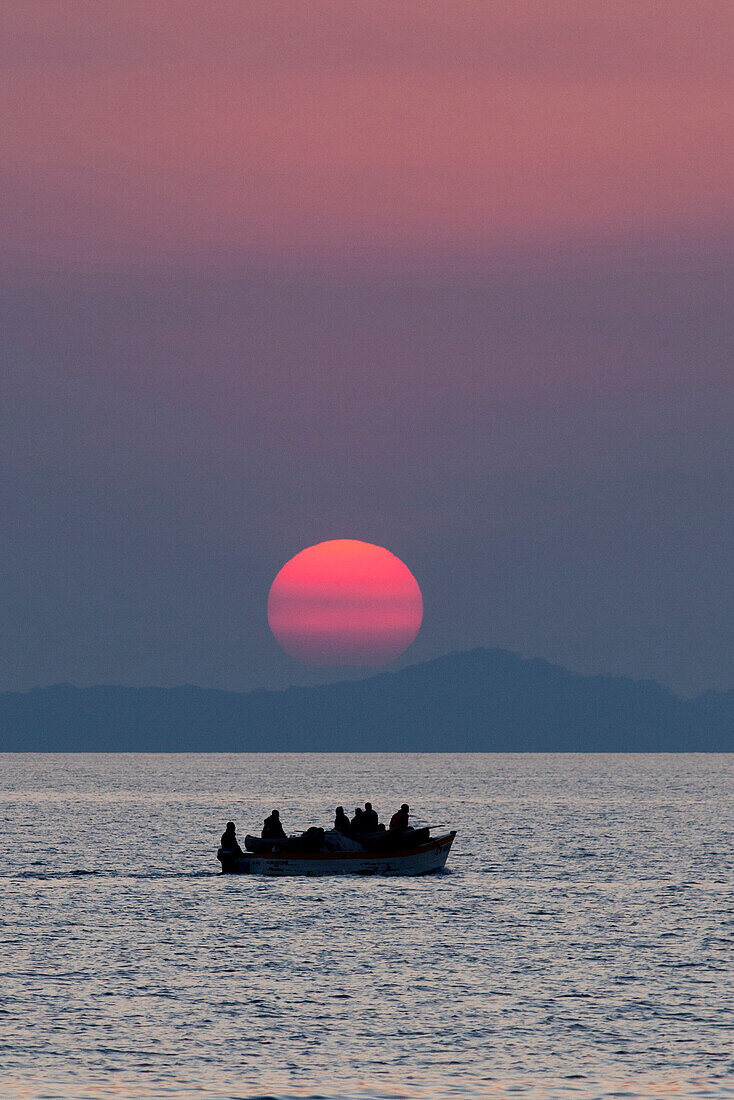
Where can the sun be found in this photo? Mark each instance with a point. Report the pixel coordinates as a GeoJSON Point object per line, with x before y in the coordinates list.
{"type": "Point", "coordinates": [345, 602]}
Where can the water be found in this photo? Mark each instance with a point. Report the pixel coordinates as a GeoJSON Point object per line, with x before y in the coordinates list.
{"type": "Point", "coordinates": [579, 943]}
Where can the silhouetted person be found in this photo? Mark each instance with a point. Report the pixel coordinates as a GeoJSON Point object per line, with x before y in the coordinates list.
{"type": "Point", "coordinates": [341, 822]}
{"type": "Point", "coordinates": [229, 840]}
{"type": "Point", "coordinates": [272, 828]}
{"type": "Point", "coordinates": [357, 825]}
{"type": "Point", "coordinates": [370, 820]}
{"type": "Point", "coordinates": [312, 840]}
{"type": "Point", "coordinates": [401, 819]}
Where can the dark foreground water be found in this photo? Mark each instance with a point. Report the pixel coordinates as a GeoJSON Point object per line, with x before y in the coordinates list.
{"type": "Point", "coordinates": [578, 945]}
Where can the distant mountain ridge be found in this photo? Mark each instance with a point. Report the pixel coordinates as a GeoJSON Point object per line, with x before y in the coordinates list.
{"type": "Point", "coordinates": [481, 700]}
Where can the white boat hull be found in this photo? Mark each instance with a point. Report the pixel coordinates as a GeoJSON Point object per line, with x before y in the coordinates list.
{"type": "Point", "coordinates": [424, 860]}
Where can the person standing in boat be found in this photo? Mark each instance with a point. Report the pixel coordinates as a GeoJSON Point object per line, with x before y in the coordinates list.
{"type": "Point", "coordinates": [272, 828]}
{"type": "Point", "coordinates": [341, 822]}
{"type": "Point", "coordinates": [229, 840]}
{"type": "Point", "coordinates": [370, 820]}
{"type": "Point", "coordinates": [401, 819]}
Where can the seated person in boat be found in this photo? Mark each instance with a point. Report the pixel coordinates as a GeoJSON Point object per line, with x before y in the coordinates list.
{"type": "Point", "coordinates": [229, 840]}
{"type": "Point", "coordinates": [272, 828]}
{"type": "Point", "coordinates": [370, 820]}
{"type": "Point", "coordinates": [400, 820]}
{"type": "Point", "coordinates": [312, 840]}
{"type": "Point", "coordinates": [357, 825]}
{"type": "Point", "coordinates": [341, 822]}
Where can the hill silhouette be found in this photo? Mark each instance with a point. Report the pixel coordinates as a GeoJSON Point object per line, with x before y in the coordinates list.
{"type": "Point", "coordinates": [482, 700]}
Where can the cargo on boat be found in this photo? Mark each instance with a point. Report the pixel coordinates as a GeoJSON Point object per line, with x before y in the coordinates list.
{"type": "Point", "coordinates": [413, 853]}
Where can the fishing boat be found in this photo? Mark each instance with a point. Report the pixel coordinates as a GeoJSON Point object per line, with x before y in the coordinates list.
{"type": "Point", "coordinates": [419, 859]}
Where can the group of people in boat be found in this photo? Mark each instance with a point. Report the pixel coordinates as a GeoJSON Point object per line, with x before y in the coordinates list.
{"type": "Point", "coordinates": [367, 820]}
{"type": "Point", "coordinates": [361, 829]}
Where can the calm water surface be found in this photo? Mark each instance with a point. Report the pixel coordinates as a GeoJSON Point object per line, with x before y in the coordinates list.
{"type": "Point", "coordinates": [578, 945]}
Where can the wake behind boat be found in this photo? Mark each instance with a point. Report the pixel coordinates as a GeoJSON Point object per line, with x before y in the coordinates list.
{"type": "Point", "coordinates": [348, 849]}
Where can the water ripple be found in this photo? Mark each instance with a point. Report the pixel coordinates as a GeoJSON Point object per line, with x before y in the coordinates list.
{"type": "Point", "coordinates": [579, 946]}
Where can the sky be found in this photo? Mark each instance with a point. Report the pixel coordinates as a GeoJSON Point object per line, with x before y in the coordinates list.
{"type": "Point", "coordinates": [452, 278]}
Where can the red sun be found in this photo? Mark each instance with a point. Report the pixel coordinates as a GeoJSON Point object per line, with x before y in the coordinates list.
{"type": "Point", "coordinates": [345, 602]}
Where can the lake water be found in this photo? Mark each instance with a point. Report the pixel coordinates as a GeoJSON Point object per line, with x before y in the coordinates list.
{"type": "Point", "coordinates": [579, 943]}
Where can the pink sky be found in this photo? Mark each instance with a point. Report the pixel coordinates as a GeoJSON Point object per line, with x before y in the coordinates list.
{"type": "Point", "coordinates": [444, 275]}
{"type": "Point", "coordinates": [138, 131]}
